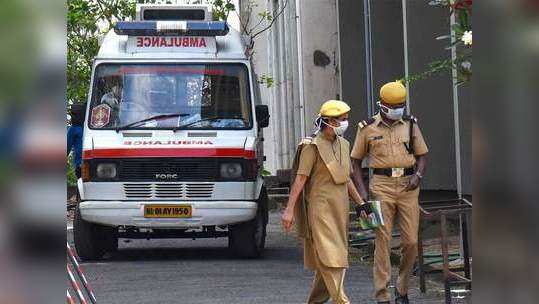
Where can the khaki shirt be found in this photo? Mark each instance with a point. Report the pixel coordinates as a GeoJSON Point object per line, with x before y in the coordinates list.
{"type": "Point", "coordinates": [327, 203]}
{"type": "Point", "coordinates": [384, 144]}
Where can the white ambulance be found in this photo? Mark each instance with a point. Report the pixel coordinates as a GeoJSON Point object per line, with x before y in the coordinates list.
{"type": "Point", "coordinates": [173, 136]}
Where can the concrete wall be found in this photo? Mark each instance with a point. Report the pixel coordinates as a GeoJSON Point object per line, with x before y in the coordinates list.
{"type": "Point", "coordinates": [329, 62]}
{"type": "Point", "coordinates": [280, 53]}
{"type": "Point", "coordinates": [320, 50]}
{"type": "Point", "coordinates": [354, 86]}
{"type": "Point", "coordinates": [432, 99]}
{"type": "Point", "coordinates": [387, 48]}
{"type": "Point", "coordinates": [284, 67]}
{"type": "Point", "coordinates": [261, 65]}
{"type": "Point", "coordinates": [465, 110]}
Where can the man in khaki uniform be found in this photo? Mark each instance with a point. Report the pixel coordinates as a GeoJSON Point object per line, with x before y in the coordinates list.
{"type": "Point", "coordinates": [396, 152]}
{"type": "Point", "coordinates": [323, 169]}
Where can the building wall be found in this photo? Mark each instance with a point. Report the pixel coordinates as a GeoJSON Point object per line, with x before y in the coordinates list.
{"type": "Point", "coordinates": [431, 100]}
{"type": "Point", "coordinates": [465, 110]}
{"type": "Point", "coordinates": [387, 48]}
{"type": "Point", "coordinates": [325, 59]}
{"type": "Point", "coordinates": [352, 41]}
{"type": "Point", "coordinates": [320, 48]}
{"type": "Point", "coordinates": [304, 69]}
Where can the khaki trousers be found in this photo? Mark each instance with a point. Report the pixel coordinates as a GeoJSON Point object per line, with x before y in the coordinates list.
{"type": "Point", "coordinates": [395, 203]}
{"type": "Point", "coordinates": [328, 283]}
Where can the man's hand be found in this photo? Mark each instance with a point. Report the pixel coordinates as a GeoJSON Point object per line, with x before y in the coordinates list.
{"type": "Point", "coordinates": [287, 219]}
{"type": "Point", "coordinates": [360, 212]}
{"type": "Point", "coordinates": [413, 183]}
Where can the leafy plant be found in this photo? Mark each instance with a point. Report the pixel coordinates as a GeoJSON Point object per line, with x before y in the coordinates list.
{"type": "Point", "coordinates": [221, 9]}
{"type": "Point", "coordinates": [87, 22]}
{"type": "Point", "coordinates": [266, 79]}
{"type": "Point", "coordinates": [265, 172]}
{"type": "Point", "coordinates": [462, 41]}
{"type": "Point", "coordinates": [71, 178]}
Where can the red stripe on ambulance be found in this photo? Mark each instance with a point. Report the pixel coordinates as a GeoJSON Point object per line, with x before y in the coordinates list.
{"type": "Point", "coordinates": [169, 152]}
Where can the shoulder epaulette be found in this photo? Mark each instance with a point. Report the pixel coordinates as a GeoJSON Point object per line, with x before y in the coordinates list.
{"type": "Point", "coordinates": [362, 124]}
{"type": "Point", "coordinates": [410, 117]}
{"type": "Point", "coordinates": [306, 141]}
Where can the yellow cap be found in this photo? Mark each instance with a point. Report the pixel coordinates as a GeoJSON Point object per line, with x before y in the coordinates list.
{"type": "Point", "coordinates": [393, 93]}
{"type": "Point", "coordinates": [334, 108]}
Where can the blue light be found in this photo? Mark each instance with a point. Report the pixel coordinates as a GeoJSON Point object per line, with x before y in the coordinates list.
{"type": "Point", "coordinates": [171, 28]}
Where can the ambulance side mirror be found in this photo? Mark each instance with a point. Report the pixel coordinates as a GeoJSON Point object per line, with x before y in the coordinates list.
{"type": "Point", "coordinates": [262, 115]}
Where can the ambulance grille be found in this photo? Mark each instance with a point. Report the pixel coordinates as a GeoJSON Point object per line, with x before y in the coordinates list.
{"type": "Point", "coordinates": [170, 168]}
{"type": "Point", "coordinates": [166, 191]}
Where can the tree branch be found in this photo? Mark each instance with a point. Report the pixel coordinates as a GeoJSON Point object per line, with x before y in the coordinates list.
{"type": "Point", "coordinates": [244, 25]}
{"type": "Point", "coordinates": [258, 24]}
{"type": "Point", "coordinates": [275, 16]}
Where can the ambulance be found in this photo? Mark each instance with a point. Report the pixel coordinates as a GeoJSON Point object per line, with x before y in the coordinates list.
{"type": "Point", "coordinates": [173, 136]}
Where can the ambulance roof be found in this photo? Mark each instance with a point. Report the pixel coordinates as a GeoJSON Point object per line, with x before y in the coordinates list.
{"type": "Point", "coordinates": [229, 47]}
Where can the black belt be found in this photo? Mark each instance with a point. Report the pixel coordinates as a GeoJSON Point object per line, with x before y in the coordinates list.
{"type": "Point", "coordinates": [389, 171]}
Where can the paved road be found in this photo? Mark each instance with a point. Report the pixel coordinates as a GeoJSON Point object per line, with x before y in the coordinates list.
{"type": "Point", "coordinates": [201, 272]}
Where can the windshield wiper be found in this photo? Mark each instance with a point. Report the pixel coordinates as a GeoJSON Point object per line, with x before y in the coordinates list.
{"type": "Point", "coordinates": [160, 116]}
{"type": "Point", "coordinates": [195, 122]}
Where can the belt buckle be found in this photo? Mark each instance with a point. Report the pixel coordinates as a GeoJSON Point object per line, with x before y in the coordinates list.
{"type": "Point", "coordinates": [397, 172]}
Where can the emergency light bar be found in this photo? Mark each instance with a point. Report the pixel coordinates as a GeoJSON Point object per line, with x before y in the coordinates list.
{"type": "Point", "coordinates": [171, 28]}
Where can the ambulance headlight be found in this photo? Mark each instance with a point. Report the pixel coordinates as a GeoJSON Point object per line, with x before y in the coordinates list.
{"type": "Point", "coordinates": [106, 171]}
{"type": "Point", "coordinates": [231, 170]}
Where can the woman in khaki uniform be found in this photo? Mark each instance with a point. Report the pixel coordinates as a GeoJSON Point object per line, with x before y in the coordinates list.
{"type": "Point", "coordinates": [323, 176]}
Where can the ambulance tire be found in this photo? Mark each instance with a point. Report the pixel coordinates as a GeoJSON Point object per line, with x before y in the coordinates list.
{"type": "Point", "coordinates": [248, 239]}
{"type": "Point", "coordinates": [92, 241]}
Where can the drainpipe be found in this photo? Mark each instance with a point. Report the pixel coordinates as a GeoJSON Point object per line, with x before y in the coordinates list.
{"type": "Point", "coordinates": [300, 70]}
{"type": "Point", "coordinates": [368, 56]}
{"type": "Point", "coordinates": [406, 65]}
{"type": "Point", "coordinates": [338, 59]}
{"type": "Point", "coordinates": [456, 110]}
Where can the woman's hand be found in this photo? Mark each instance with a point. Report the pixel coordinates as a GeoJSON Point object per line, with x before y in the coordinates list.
{"type": "Point", "coordinates": [287, 219]}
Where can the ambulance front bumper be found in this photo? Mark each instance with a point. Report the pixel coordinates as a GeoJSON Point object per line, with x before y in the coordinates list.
{"type": "Point", "coordinates": [131, 213]}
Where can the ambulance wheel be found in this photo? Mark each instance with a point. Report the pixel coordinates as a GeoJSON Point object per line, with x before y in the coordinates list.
{"type": "Point", "coordinates": [92, 241]}
{"type": "Point", "coordinates": [248, 239]}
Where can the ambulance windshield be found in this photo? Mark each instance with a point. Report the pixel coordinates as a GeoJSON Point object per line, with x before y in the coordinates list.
{"type": "Point", "coordinates": [204, 96]}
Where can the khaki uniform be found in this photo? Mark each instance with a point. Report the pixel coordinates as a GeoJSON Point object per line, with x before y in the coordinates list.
{"type": "Point", "coordinates": [322, 217]}
{"type": "Point", "coordinates": [385, 147]}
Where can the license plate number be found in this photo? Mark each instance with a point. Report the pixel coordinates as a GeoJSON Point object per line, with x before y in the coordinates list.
{"type": "Point", "coordinates": [168, 211]}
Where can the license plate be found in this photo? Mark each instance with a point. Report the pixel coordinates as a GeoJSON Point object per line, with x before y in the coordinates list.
{"type": "Point", "coordinates": [168, 211]}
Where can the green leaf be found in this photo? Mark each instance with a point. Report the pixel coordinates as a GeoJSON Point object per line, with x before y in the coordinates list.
{"type": "Point", "coordinates": [443, 37]}
{"type": "Point", "coordinates": [82, 34]}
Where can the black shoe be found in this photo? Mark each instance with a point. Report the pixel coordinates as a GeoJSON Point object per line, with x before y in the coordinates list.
{"type": "Point", "coordinates": [401, 299]}
{"type": "Point", "coordinates": [385, 302]}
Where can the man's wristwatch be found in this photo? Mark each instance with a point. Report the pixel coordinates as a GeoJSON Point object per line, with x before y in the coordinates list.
{"type": "Point", "coordinates": [418, 174]}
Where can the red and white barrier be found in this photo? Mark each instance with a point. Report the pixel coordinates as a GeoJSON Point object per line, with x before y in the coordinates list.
{"type": "Point", "coordinates": [76, 286]}
{"type": "Point", "coordinates": [73, 258]}
{"type": "Point", "coordinates": [70, 298]}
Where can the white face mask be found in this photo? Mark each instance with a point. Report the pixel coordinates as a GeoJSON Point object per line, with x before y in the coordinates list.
{"type": "Point", "coordinates": [339, 131]}
{"type": "Point", "coordinates": [393, 114]}
{"type": "Point", "coordinates": [343, 125]}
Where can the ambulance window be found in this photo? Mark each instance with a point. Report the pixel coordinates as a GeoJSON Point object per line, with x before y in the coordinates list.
{"type": "Point", "coordinates": [204, 96]}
